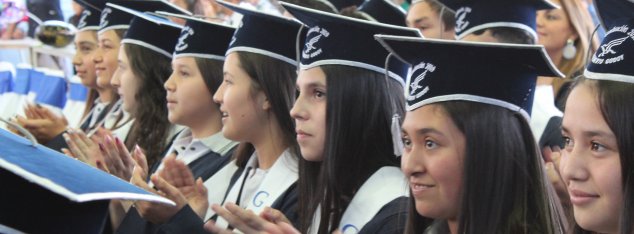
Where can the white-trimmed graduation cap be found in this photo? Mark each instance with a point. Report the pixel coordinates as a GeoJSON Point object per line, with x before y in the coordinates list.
{"type": "Point", "coordinates": [475, 15]}
{"type": "Point", "coordinates": [45, 191]}
{"type": "Point", "coordinates": [613, 60]}
{"type": "Point", "coordinates": [114, 18]}
{"type": "Point", "coordinates": [492, 73]}
{"type": "Point", "coordinates": [202, 39]}
{"type": "Point", "coordinates": [384, 11]}
{"type": "Point", "coordinates": [149, 31]}
{"type": "Point", "coordinates": [339, 40]}
{"type": "Point", "coordinates": [265, 34]}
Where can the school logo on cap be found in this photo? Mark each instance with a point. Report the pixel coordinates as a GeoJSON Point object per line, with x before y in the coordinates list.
{"type": "Point", "coordinates": [82, 21]}
{"type": "Point", "coordinates": [310, 50]}
{"type": "Point", "coordinates": [420, 71]}
{"type": "Point", "coordinates": [607, 52]}
{"type": "Point", "coordinates": [104, 15]}
{"type": "Point", "coordinates": [461, 14]}
{"type": "Point", "coordinates": [233, 38]}
{"type": "Point", "coordinates": [187, 31]}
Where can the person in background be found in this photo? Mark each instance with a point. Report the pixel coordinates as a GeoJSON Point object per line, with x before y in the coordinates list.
{"type": "Point", "coordinates": [566, 34]}
{"type": "Point", "coordinates": [12, 14]}
{"type": "Point", "coordinates": [432, 19]}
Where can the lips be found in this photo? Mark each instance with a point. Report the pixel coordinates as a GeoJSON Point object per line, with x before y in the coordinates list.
{"type": "Point", "coordinates": [80, 72]}
{"type": "Point", "coordinates": [418, 188]}
{"type": "Point", "coordinates": [224, 115]}
{"type": "Point", "coordinates": [579, 198]}
{"type": "Point", "coordinates": [170, 102]}
{"type": "Point", "coordinates": [99, 69]}
{"type": "Point", "coordinates": [301, 134]}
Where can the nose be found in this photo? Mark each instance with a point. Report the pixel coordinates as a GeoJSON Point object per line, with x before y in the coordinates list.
{"type": "Point", "coordinates": [298, 111]}
{"type": "Point", "coordinates": [219, 94]}
{"type": "Point", "coordinates": [98, 56]}
{"type": "Point", "coordinates": [169, 83]}
{"type": "Point", "coordinates": [116, 81]}
{"type": "Point", "coordinates": [77, 59]}
{"type": "Point", "coordinates": [412, 163]}
{"type": "Point", "coordinates": [573, 165]}
{"type": "Point", "coordinates": [540, 19]}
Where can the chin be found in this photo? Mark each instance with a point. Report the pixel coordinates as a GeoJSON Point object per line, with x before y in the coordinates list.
{"type": "Point", "coordinates": [312, 157]}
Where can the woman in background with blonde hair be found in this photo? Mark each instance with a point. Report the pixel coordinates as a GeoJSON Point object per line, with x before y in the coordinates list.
{"type": "Point", "coordinates": [565, 33]}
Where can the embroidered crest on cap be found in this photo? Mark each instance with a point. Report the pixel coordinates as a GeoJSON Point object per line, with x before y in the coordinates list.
{"type": "Point", "coordinates": [233, 39]}
{"type": "Point", "coordinates": [187, 31]}
{"type": "Point", "coordinates": [461, 14]}
{"type": "Point", "coordinates": [608, 52]}
{"type": "Point", "coordinates": [415, 89]}
{"type": "Point", "coordinates": [310, 50]}
{"type": "Point", "coordinates": [82, 20]}
{"type": "Point", "coordinates": [104, 16]}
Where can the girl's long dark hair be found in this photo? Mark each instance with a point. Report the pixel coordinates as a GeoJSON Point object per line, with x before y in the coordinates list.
{"type": "Point", "coordinates": [504, 188]}
{"type": "Point", "coordinates": [151, 127]}
{"type": "Point", "coordinates": [277, 80]}
{"type": "Point", "coordinates": [615, 100]}
{"type": "Point", "coordinates": [358, 143]}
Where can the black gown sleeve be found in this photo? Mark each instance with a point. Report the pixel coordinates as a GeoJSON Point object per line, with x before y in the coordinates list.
{"type": "Point", "coordinates": [57, 143]}
{"type": "Point", "coordinates": [390, 219]}
{"type": "Point", "coordinates": [287, 204]}
{"type": "Point", "coordinates": [185, 220]}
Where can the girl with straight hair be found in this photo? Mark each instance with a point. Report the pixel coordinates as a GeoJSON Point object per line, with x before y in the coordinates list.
{"type": "Point", "coordinates": [597, 163]}
{"type": "Point", "coordinates": [201, 147]}
{"type": "Point", "coordinates": [255, 98]}
{"type": "Point", "coordinates": [349, 175]}
{"type": "Point", "coordinates": [471, 160]}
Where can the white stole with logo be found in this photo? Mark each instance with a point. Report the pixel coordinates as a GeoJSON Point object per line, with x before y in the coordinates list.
{"type": "Point", "coordinates": [217, 186]}
{"type": "Point", "coordinates": [385, 185]}
{"type": "Point", "coordinates": [278, 179]}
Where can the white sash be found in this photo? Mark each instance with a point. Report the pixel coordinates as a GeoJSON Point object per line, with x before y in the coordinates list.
{"type": "Point", "coordinates": [278, 179]}
{"type": "Point", "coordinates": [218, 184]}
{"type": "Point", "coordinates": [385, 185]}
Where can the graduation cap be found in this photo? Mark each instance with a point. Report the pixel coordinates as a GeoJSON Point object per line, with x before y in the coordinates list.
{"type": "Point", "coordinates": [91, 15]}
{"type": "Point", "coordinates": [149, 31]}
{"type": "Point", "coordinates": [444, 70]}
{"type": "Point", "coordinates": [612, 60]}
{"type": "Point", "coordinates": [323, 44]}
{"type": "Point", "coordinates": [114, 18]}
{"type": "Point", "coordinates": [48, 192]}
{"type": "Point", "coordinates": [202, 39]}
{"type": "Point", "coordinates": [265, 34]}
{"type": "Point", "coordinates": [384, 11]}
{"type": "Point", "coordinates": [475, 15]}
{"type": "Point", "coordinates": [340, 4]}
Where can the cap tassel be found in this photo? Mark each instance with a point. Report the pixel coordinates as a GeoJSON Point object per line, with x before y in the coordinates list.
{"type": "Point", "coordinates": [397, 141]}
{"type": "Point", "coordinates": [589, 51]}
{"type": "Point", "coordinates": [395, 128]}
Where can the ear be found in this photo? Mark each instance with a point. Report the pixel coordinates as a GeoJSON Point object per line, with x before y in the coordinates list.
{"type": "Point", "coordinates": [263, 101]}
{"type": "Point", "coordinates": [266, 105]}
{"type": "Point", "coordinates": [574, 36]}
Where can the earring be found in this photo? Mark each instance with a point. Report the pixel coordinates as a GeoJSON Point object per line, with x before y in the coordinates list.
{"type": "Point", "coordinates": [569, 50]}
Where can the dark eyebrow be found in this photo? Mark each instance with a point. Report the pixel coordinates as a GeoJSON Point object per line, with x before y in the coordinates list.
{"type": "Point", "coordinates": [86, 43]}
{"type": "Point", "coordinates": [424, 131]}
{"type": "Point", "coordinates": [416, 21]}
{"type": "Point", "coordinates": [592, 133]}
{"type": "Point", "coordinates": [315, 84]}
{"type": "Point", "coordinates": [598, 133]}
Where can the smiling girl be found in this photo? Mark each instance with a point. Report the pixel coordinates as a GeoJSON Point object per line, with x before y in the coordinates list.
{"type": "Point", "coordinates": [472, 162]}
